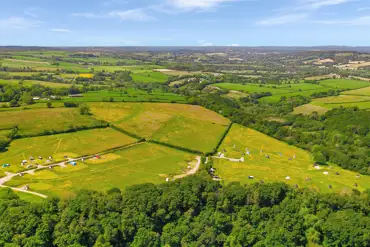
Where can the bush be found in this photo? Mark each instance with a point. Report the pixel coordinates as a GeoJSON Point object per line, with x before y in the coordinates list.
{"type": "Point", "coordinates": [70, 104]}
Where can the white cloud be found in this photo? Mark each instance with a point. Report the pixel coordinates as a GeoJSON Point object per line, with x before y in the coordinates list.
{"type": "Point", "coordinates": [197, 4]}
{"type": "Point", "coordinates": [32, 12]}
{"type": "Point", "coordinates": [283, 19]}
{"type": "Point", "coordinates": [234, 45]}
{"type": "Point", "coordinates": [363, 9]}
{"type": "Point", "coordinates": [131, 15]}
{"type": "Point", "coordinates": [360, 21]}
{"type": "Point", "coordinates": [300, 10]}
{"type": "Point", "coordinates": [19, 23]}
{"type": "Point", "coordinates": [316, 4]}
{"type": "Point", "coordinates": [205, 43]}
{"type": "Point", "coordinates": [124, 15]}
{"type": "Point", "coordinates": [60, 30]}
{"type": "Point", "coordinates": [114, 2]}
{"type": "Point", "coordinates": [87, 15]}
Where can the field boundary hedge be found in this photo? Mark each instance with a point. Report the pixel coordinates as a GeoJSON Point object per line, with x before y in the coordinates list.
{"type": "Point", "coordinates": [177, 147]}
{"type": "Point", "coordinates": [55, 132]}
{"type": "Point", "coordinates": [221, 140]}
{"type": "Point", "coordinates": [133, 135]}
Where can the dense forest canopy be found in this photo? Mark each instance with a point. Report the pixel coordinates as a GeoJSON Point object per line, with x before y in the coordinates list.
{"type": "Point", "coordinates": [195, 211]}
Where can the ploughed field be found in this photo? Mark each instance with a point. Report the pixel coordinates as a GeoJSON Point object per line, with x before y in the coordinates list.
{"type": "Point", "coordinates": [267, 159]}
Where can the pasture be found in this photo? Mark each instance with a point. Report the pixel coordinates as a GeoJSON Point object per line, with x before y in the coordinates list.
{"type": "Point", "coordinates": [307, 109]}
{"type": "Point", "coordinates": [187, 126]}
{"type": "Point", "coordinates": [362, 92]}
{"type": "Point", "coordinates": [39, 121]}
{"type": "Point", "coordinates": [129, 95]}
{"type": "Point", "coordinates": [143, 163]}
{"type": "Point", "coordinates": [149, 77]}
{"type": "Point", "coordinates": [73, 145]}
{"type": "Point", "coordinates": [289, 90]}
{"type": "Point", "coordinates": [29, 83]}
{"type": "Point", "coordinates": [278, 166]}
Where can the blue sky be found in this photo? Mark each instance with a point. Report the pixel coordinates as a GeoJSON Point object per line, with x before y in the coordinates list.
{"type": "Point", "coordinates": [185, 22]}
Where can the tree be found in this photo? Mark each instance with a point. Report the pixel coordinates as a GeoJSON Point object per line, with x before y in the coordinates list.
{"type": "Point", "coordinates": [27, 98]}
{"type": "Point", "coordinates": [84, 109]}
{"type": "Point", "coordinates": [13, 103]}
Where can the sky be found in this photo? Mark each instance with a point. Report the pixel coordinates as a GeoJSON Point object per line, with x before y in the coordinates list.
{"type": "Point", "coordinates": [185, 22]}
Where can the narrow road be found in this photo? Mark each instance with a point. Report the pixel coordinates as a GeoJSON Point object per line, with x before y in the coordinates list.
{"type": "Point", "coordinates": [192, 171]}
{"type": "Point", "coordinates": [226, 158]}
{"type": "Point", "coordinates": [25, 191]}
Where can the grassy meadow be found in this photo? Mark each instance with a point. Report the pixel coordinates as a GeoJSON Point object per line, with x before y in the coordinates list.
{"type": "Point", "coordinates": [187, 126]}
{"type": "Point", "coordinates": [289, 90]}
{"type": "Point", "coordinates": [143, 163]}
{"type": "Point", "coordinates": [73, 145]}
{"type": "Point", "coordinates": [133, 95]}
{"type": "Point", "coordinates": [29, 83]}
{"type": "Point", "coordinates": [278, 167]}
{"type": "Point", "coordinates": [150, 77]}
{"type": "Point", "coordinates": [38, 121]}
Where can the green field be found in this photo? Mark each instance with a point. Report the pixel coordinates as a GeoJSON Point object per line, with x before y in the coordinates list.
{"type": "Point", "coordinates": [21, 74]}
{"type": "Point", "coordinates": [344, 83]}
{"type": "Point", "coordinates": [38, 121]}
{"type": "Point", "coordinates": [150, 77]}
{"type": "Point", "coordinates": [144, 163]}
{"type": "Point", "coordinates": [362, 92]}
{"type": "Point", "coordinates": [134, 68]}
{"type": "Point", "coordinates": [71, 144]}
{"type": "Point", "coordinates": [289, 90]}
{"type": "Point", "coordinates": [132, 95]}
{"type": "Point", "coordinates": [307, 109]}
{"type": "Point", "coordinates": [278, 167]}
{"type": "Point", "coordinates": [29, 83]}
{"type": "Point", "coordinates": [187, 126]}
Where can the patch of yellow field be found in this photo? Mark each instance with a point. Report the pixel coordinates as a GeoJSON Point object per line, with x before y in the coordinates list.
{"type": "Point", "coordinates": [309, 108]}
{"type": "Point", "coordinates": [86, 75]}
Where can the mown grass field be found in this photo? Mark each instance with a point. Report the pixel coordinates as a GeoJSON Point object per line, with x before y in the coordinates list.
{"type": "Point", "coordinates": [322, 105]}
{"type": "Point", "coordinates": [133, 68]}
{"type": "Point", "coordinates": [29, 83]}
{"type": "Point", "coordinates": [131, 96]}
{"type": "Point", "coordinates": [289, 90]}
{"type": "Point", "coordinates": [143, 163]}
{"type": "Point", "coordinates": [37, 121]}
{"type": "Point", "coordinates": [363, 92]}
{"type": "Point", "coordinates": [42, 65]}
{"type": "Point", "coordinates": [72, 145]}
{"type": "Point", "coordinates": [307, 109]}
{"type": "Point", "coordinates": [150, 77]}
{"type": "Point", "coordinates": [278, 167]}
{"type": "Point", "coordinates": [37, 105]}
{"type": "Point", "coordinates": [187, 126]}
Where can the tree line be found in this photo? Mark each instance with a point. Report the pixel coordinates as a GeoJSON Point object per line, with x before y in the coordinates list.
{"type": "Point", "coordinates": [194, 211]}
